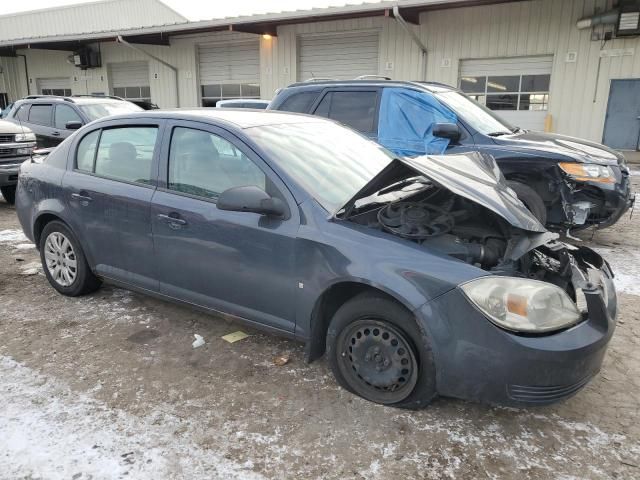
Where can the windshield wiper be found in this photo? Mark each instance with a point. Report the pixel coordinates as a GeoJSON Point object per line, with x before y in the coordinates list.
{"type": "Point", "coordinates": [517, 129]}
{"type": "Point", "coordinates": [498, 134]}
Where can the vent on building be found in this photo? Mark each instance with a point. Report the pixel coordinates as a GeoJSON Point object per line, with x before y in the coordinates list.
{"type": "Point", "coordinates": [629, 19]}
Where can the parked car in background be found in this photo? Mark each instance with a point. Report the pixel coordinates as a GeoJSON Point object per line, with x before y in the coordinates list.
{"type": "Point", "coordinates": [54, 118]}
{"type": "Point", "coordinates": [16, 145]}
{"type": "Point", "coordinates": [243, 103]}
{"type": "Point", "coordinates": [420, 276]}
{"type": "Point", "coordinates": [567, 183]}
{"type": "Point", "coordinates": [5, 110]}
{"type": "Point", "coordinates": [145, 104]}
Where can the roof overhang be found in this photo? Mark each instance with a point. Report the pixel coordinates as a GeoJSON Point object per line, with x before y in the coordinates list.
{"type": "Point", "coordinates": [257, 24]}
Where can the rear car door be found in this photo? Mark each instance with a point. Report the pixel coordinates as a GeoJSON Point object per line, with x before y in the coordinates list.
{"type": "Point", "coordinates": [357, 109]}
{"type": "Point", "coordinates": [235, 262]}
{"type": "Point", "coordinates": [40, 121]}
{"type": "Point", "coordinates": [109, 190]}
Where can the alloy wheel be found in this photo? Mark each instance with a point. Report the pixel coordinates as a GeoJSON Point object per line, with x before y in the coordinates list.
{"type": "Point", "coordinates": [60, 259]}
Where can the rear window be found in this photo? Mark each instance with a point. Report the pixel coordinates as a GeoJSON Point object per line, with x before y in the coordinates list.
{"type": "Point", "coordinates": [299, 102]}
{"type": "Point", "coordinates": [40, 114]}
{"type": "Point", "coordinates": [354, 109]}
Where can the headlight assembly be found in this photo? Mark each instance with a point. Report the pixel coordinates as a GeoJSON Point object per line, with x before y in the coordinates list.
{"type": "Point", "coordinates": [588, 172]}
{"type": "Point", "coordinates": [25, 137]}
{"type": "Point", "coordinates": [522, 305]}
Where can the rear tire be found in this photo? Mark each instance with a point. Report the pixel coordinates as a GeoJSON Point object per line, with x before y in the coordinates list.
{"type": "Point", "coordinates": [531, 200]}
{"type": "Point", "coordinates": [9, 194]}
{"type": "Point", "coordinates": [376, 350]}
{"type": "Point", "coordinates": [64, 262]}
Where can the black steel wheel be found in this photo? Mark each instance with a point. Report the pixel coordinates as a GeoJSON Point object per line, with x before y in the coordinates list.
{"type": "Point", "coordinates": [376, 350]}
{"type": "Point", "coordinates": [378, 361]}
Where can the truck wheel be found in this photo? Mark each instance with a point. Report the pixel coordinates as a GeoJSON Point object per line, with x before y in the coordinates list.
{"type": "Point", "coordinates": [531, 200]}
{"type": "Point", "coordinates": [64, 263]}
{"type": "Point", "coordinates": [376, 350]}
{"type": "Point", "coordinates": [9, 194]}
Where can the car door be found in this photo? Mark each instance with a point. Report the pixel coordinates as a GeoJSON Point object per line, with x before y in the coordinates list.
{"type": "Point", "coordinates": [62, 115]}
{"type": "Point", "coordinates": [357, 109]}
{"type": "Point", "coordinates": [40, 121]}
{"type": "Point", "coordinates": [235, 262]}
{"type": "Point", "coordinates": [109, 190]}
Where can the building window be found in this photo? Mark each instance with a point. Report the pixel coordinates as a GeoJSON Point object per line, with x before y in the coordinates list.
{"type": "Point", "coordinates": [509, 92]}
{"type": "Point", "coordinates": [133, 93]}
{"type": "Point", "coordinates": [61, 92]}
{"type": "Point", "coordinates": [211, 94]}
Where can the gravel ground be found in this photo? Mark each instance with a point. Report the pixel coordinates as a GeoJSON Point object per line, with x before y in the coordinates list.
{"type": "Point", "coordinates": [109, 386]}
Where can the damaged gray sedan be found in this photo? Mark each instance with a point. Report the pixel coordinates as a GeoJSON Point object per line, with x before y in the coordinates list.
{"type": "Point", "coordinates": [416, 278]}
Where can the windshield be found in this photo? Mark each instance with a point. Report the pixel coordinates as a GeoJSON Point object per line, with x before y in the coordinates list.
{"type": "Point", "coordinates": [331, 162]}
{"type": "Point", "coordinates": [479, 117]}
{"type": "Point", "coordinates": [95, 111]}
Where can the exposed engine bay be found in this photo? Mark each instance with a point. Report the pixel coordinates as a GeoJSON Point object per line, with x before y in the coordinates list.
{"type": "Point", "coordinates": [444, 222]}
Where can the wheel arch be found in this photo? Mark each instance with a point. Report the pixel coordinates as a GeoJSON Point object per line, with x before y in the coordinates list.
{"type": "Point", "coordinates": [329, 301]}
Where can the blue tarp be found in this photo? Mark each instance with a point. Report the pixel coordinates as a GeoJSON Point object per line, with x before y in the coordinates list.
{"type": "Point", "coordinates": [406, 122]}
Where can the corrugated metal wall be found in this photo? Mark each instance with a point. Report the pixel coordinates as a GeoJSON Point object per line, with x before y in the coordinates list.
{"type": "Point", "coordinates": [83, 18]}
{"type": "Point", "coordinates": [578, 96]}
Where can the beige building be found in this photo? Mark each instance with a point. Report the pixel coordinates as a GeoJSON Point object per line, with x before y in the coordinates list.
{"type": "Point", "coordinates": [528, 59]}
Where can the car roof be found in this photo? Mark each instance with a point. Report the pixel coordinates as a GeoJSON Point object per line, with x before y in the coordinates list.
{"type": "Point", "coordinates": [238, 117]}
{"type": "Point", "coordinates": [433, 87]}
{"type": "Point", "coordinates": [72, 100]}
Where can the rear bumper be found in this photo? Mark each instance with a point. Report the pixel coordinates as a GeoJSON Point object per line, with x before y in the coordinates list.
{"type": "Point", "coordinates": [475, 360]}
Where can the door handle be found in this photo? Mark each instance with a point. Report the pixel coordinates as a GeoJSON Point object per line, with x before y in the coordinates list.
{"type": "Point", "coordinates": [172, 219]}
{"type": "Point", "coordinates": [82, 198]}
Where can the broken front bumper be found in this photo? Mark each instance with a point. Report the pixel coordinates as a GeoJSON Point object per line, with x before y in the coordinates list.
{"type": "Point", "coordinates": [475, 360]}
{"type": "Point", "coordinates": [597, 204]}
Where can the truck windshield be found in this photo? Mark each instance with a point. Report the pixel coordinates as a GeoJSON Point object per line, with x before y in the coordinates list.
{"type": "Point", "coordinates": [479, 117]}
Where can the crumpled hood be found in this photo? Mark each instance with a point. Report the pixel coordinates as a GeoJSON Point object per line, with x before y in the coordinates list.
{"type": "Point", "coordinates": [472, 175]}
{"type": "Point", "coordinates": [560, 146]}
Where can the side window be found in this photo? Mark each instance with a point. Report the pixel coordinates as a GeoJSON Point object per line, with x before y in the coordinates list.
{"type": "Point", "coordinates": [40, 114]}
{"type": "Point", "coordinates": [64, 114]}
{"type": "Point", "coordinates": [126, 153]}
{"type": "Point", "coordinates": [87, 151]}
{"type": "Point", "coordinates": [355, 109]}
{"type": "Point", "coordinates": [299, 102]}
{"type": "Point", "coordinates": [22, 112]}
{"type": "Point", "coordinates": [204, 164]}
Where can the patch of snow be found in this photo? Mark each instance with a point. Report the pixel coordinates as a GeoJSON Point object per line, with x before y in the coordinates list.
{"type": "Point", "coordinates": [31, 268]}
{"type": "Point", "coordinates": [24, 246]}
{"type": "Point", "coordinates": [48, 431]}
{"type": "Point", "coordinates": [625, 263]}
{"type": "Point", "coordinates": [12, 237]}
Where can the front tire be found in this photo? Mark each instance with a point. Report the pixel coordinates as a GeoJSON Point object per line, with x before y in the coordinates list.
{"type": "Point", "coordinates": [9, 193]}
{"type": "Point", "coordinates": [531, 200]}
{"type": "Point", "coordinates": [376, 350]}
{"type": "Point", "coordinates": [64, 262]}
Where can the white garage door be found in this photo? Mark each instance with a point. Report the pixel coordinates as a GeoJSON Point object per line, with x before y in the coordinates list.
{"type": "Point", "coordinates": [516, 88]}
{"type": "Point", "coordinates": [54, 86]}
{"type": "Point", "coordinates": [339, 56]}
{"type": "Point", "coordinates": [130, 80]}
{"type": "Point", "coordinates": [230, 70]}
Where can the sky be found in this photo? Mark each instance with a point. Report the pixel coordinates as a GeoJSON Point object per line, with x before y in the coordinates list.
{"type": "Point", "coordinates": [198, 9]}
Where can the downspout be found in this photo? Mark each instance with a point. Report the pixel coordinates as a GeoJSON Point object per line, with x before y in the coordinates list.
{"type": "Point", "coordinates": [153, 57]}
{"type": "Point", "coordinates": [414, 36]}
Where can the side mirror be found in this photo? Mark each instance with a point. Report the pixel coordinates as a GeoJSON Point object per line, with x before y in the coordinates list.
{"type": "Point", "coordinates": [73, 125]}
{"type": "Point", "coordinates": [450, 131]}
{"type": "Point", "coordinates": [251, 199]}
